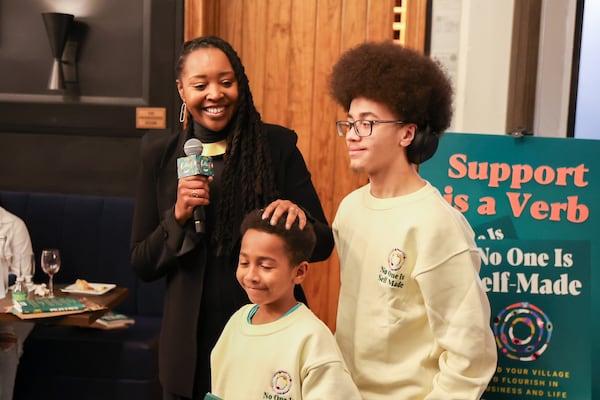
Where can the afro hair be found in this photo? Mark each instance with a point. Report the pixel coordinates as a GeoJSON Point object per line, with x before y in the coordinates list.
{"type": "Point", "coordinates": [412, 85]}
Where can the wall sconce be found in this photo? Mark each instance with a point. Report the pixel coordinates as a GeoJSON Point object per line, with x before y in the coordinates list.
{"type": "Point", "coordinates": [57, 28]}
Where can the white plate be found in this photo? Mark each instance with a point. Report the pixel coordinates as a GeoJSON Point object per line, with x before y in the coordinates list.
{"type": "Point", "coordinates": [98, 288]}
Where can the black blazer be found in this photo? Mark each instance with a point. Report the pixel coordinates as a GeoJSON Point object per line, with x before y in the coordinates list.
{"type": "Point", "coordinates": [157, 244]}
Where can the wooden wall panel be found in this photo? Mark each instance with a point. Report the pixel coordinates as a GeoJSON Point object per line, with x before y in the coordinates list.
{"type": "Point", "coordinates": [354, 22]}
{"type": "Point", "coordinates": [322, 283]}
{"type": "Point", "coordinates": [253, 48]}
{"type": "Point", "coordinates": [380, 19]}
{"type": "Point", "coordinates": [301, 72]}
{"type": "Point", "coordinates": [276, 89]}
{"type": "Point", "coordinates": [229, 26]}
{"type": "Point", "coordinates": [288, 48]}
{"type": "Point", "coordinates": [416, 24]}
{"type": "Point", "coordinates": [200, 18]}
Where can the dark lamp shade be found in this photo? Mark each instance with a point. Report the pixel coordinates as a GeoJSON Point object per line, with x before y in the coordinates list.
{"type": "Point", "coordinates": [57, 29]}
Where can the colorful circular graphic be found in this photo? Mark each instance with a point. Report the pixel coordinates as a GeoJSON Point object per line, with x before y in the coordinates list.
{"type": "Point", "coordinates": [281, 382]}
{"type": "Point", "coordinates": [396, 259]}
{"type": "Point", "coordinates": [522, 331]}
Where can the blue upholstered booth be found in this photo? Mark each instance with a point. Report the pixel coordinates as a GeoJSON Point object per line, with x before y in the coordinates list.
{"type": "Point", "coordinates": [92, 233]}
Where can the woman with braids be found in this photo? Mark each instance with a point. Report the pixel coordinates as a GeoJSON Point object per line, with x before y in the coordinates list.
{"type": "Point", "coordinates": [256, 165]}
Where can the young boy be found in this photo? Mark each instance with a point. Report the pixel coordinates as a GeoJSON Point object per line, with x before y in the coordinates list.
{"type": "Point", "coordinates": [413, 318]}
{"type": "Point", "coordinates": [276, 348]}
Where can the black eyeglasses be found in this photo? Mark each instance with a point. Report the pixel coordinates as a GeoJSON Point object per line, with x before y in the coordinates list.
{"type": "Point", "coordinates": [362, 127]}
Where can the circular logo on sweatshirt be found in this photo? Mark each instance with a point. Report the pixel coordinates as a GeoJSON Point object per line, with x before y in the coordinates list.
{"type": "Point", "coordinates": [396, 259]}
{"type": "Point", "coordinates": [281, 382]}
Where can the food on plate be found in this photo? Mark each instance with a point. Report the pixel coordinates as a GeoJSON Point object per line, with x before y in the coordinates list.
{"type": "Point", "coordinates": [82, 284]}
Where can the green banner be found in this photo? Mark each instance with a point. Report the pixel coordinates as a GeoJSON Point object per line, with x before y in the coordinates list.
{"type": "Point", "coordinates": [532, 203]}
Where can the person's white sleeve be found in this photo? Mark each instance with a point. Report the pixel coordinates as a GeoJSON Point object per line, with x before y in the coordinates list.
{"type": "Point", "coordinates": [459, 314]}
{"type": "Point", "coordinates": [329, 381]}
{"type": "Point", "coordinates": [21, 246]}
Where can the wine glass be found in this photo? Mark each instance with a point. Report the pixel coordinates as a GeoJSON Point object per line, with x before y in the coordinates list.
{"type": "Point", "coordinates": [50, 265]}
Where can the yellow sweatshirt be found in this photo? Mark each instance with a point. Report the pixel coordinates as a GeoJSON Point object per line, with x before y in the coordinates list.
{"type": "Point", "coordinates": [413, 317]}
{"type": "Point", "coordinates": [293, 358]}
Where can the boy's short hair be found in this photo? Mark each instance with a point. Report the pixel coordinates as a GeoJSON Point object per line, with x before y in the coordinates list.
{"type": "Point", "coordinates": [299, 243]}
{"type": "Point", "coordinates": [413, 86]}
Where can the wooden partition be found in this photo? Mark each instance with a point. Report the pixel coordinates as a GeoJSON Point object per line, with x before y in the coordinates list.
{"type": "Point", "coordinates": [288, 48]}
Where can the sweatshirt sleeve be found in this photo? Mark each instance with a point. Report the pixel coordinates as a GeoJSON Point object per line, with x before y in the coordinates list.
{"type": "Point", "coordinates": [329, 381]}
{"type": "Point", "coordinates": [459, 315]}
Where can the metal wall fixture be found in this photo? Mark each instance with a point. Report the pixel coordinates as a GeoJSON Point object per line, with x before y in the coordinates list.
{"type": "Point", "coordinates": [58, 26]}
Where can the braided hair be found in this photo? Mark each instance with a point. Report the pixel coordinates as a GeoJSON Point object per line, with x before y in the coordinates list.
{"type": "Point", "coordinates": [248, 181]}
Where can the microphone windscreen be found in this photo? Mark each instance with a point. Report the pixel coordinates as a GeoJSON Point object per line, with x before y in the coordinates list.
{"type": "Point", "coordinates": [193, 147]}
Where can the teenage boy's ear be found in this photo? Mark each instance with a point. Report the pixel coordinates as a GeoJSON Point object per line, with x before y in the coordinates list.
{"type": "Point", "coordinates": [301, 271]}
{"type": "Point", "coordinates": [408, 133]}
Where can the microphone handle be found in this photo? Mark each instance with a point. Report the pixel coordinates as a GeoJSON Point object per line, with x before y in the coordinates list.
{"type": "Point", "coordinates": [199, 218]}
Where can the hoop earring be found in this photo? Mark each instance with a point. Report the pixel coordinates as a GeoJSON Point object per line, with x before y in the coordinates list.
{"type": "Point", "coordinates": [182, 112]}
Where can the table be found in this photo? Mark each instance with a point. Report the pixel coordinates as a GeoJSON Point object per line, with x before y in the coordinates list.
{"type": "Point", "coordinates": [106, 302]}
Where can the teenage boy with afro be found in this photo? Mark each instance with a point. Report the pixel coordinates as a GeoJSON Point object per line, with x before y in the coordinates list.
{"type": "Point", "coordinates": [413, 318]}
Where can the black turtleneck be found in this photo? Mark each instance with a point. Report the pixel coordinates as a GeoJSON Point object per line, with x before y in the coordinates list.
{"type": "Point", "coordinates": [207, 136]}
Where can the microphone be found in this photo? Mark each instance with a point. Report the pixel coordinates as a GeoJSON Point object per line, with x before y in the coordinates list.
{"type": "Point", "coordinates": [195, 164]}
